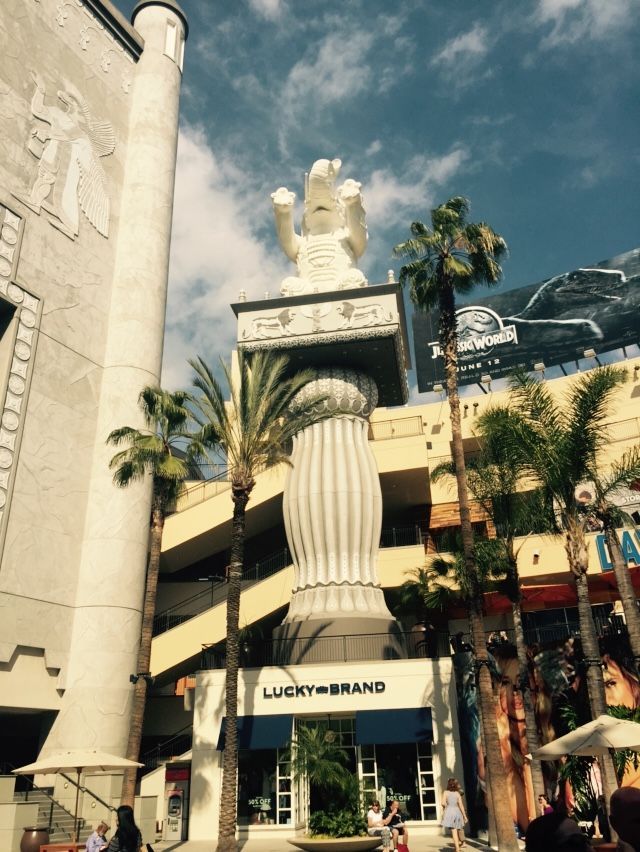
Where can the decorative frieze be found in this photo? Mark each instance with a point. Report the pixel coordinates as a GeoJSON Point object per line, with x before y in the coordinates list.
{"type": "Point", "coordinates": [91, 39]}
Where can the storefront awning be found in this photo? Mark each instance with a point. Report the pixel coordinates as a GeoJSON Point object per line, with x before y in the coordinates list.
{"type": "Point", "coordinates": [256, 732]}
{"type": "Point", "coordinates": [382, 727]}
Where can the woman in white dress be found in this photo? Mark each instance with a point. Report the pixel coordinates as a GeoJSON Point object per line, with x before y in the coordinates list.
{"type": "Point", "coordinates": [454, 816]}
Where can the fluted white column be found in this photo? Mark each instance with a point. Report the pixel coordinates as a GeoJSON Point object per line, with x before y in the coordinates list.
{"type": "Point", "coordinates": [332, 506]}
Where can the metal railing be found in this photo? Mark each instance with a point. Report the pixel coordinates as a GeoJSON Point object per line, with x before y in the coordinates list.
{"type": "Point", "coordinates": [216, 592]}
{"type": "Point", "coordinates": [401, 427]}
{"type": "Point", "coordinates": [395, 645]}
{"type": "Point", "coordinates": [176, 745]}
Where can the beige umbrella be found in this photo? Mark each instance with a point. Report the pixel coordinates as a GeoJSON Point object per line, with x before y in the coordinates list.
{"type": "Point", "coordinates": [78, 761]}
{"type": "Point", "coordinates": [597, 737]}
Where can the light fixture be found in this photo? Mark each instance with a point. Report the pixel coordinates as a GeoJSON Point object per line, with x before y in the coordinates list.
{"type": "Point", "coordinates": [636, 370]}
{"type": "Point", "coordinates": [146, 676]}
{"type": "Point", "coordinates": [539, 367]}
{"type": "Point", "coordinates": [589, 353]}
{"type": "Point", "coordinates": [438, 388]}
{"type": "Point", "coordinates": [485, 382]}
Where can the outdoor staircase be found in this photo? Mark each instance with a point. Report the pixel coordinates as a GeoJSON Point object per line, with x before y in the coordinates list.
{"type": "Point", "coordinates": [55, 816]}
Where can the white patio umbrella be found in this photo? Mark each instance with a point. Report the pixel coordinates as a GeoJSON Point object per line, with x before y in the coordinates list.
{"type": "Point", "coordinates": [78, 761]}
{"type": "Point", "coordinates": [597, 737]}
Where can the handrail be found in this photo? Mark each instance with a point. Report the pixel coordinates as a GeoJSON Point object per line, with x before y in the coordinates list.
{"type": "Point", "coordinates": [39, 790]}
{"type": "Point", "coordinates": [90, 792]}
{"type": "Point", "coordinates": [151, 757]}
{"type": "Point", "coordinates": [175, 615]}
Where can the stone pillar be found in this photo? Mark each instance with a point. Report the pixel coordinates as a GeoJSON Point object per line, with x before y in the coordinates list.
{"type": "Point", "coordinates": [106, 629]}
{"type": "Point", "coordinates": [332, 507]}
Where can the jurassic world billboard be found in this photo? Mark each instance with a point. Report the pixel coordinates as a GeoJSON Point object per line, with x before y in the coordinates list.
{"type": "Point", "coordinates": [552, 322]}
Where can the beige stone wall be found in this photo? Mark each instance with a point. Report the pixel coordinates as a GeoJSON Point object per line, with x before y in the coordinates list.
{"type": "Point", "coordinates": [72, 278]}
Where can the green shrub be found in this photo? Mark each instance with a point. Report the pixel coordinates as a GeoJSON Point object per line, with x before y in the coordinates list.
{"type": "Point", "coordinates": [343, 823]}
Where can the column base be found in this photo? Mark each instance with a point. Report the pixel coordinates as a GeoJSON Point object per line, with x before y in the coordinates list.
{"type": "Point", "coordinates": [343, 639]}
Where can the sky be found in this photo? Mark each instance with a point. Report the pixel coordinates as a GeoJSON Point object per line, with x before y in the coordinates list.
{"type": "Point", "coordinates": [530, 109]}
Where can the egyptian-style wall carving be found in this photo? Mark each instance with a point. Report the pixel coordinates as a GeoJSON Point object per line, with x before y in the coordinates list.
{"type": "Point", "coordinates": [334, 233]}
{"type": "Point", "coordinates": [89, 39]}
{"type": "Point", "coordinates": [68, 143]}
{"type": "Point", "coordinates": [317, 318]}
{"type": "Point", "coordinates": [26, 322]}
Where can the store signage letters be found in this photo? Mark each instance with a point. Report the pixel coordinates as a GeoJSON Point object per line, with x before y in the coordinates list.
{"type": "Point", "coordinates": [306, 690]}
{"type": "Point", "coordinates": [630, 550]}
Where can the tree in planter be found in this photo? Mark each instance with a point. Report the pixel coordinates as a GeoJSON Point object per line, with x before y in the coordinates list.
{"type": "Point", "coordinates": [448, 259]}
{"type": "Point", "coordinates": [152, 453]}
{"type": "Point", "coordinates": [253, 431]}
{"type": "Point", "coordinates": [317, 757]}
{"type": "Point", "coordinates": [560, 446]}
{"type": "Point", "coordinates": [496, 482]}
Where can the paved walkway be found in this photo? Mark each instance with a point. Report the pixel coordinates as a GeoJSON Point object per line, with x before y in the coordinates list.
{"type": "Point", "coordinates": [425, 843]}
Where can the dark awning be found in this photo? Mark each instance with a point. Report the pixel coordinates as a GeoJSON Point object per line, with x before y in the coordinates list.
{"type": "Point", "coordinates": [380, 727]}
{"type": "Point", "coordinates": [256, 732]}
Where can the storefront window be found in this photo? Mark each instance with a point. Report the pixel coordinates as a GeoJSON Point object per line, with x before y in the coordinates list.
{"type": "Point", "coordinates": [257, 776]}
{"type": "Point", "coordinates": [398, 776]}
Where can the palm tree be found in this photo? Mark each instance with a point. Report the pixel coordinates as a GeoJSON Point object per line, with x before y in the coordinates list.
{"type": "Point", "coordinates": [253, 431]}
{"type": "Point", "coordinates": [496, 482]}
{"type": "Point", "coordinates": [152, 453]}
{"type": "Point", "coordinates": [450, 258]}
{"type": "Point", "coordinates": [559, 446]}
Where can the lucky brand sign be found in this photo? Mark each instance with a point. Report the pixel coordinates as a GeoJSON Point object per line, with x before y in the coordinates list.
{"type": "Point", "coordinates": [551, 322]}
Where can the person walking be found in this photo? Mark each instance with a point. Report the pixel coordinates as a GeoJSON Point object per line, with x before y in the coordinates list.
{"type": "Point", "coordinates": [454, 816]}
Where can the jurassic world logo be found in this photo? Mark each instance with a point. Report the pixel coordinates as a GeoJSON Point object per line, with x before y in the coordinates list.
{"type": "Point", "coordinates": [480, 330]}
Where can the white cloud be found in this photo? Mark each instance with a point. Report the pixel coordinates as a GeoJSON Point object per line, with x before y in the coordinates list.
{"type": "Point", "coordinates": [337, 72]}
{"type": "Point", "coordinates": [464, 50]}
{"type": "Point", "coordinates": [269, 9]}
{"type": "Point", "coordinates": [388, 198]}
{"type": "Point", "coordinates": [576, 20]}
{"type": "Point", "coordinates": [214, 254]}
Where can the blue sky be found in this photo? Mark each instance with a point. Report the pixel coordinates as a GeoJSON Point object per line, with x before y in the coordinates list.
{"type": "Point", "coordinates": [530, 109]}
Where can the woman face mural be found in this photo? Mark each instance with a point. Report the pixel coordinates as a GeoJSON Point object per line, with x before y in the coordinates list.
{"type": "Point", "coordinates": [622, 689]}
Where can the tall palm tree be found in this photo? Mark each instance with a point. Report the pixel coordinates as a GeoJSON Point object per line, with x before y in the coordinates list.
{"type": "Point", "coordinates": [560, 445]}
{"type": "Point", "coordinates": [154, 453]}
{"type": "Point", "coordinates": [450, 258]}
{"type": "Point", "coordinates": [253, 430]}
{"type": "Point", "coordinates": [496, 481]}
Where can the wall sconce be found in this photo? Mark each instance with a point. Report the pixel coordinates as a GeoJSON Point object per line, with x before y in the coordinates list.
{"type": "Point", "coordinates": [636, 371]}
{"type": "Point", "coordinates": [146, 676]}
{"type": "Point", "coordinates": [465, 408]}
{"type": "Point", "coordinates": [485, 382]}
{"type": "Point", "coordinates": [589, 353]}
{"type": "Point", "coordinates": [438, 388]}
{"type": "Point", "coordinates": [539, 368]}
{"type": "Point", "coordinates": [475, 408]}
{"type": "Point", "coordinates": [536, 557]}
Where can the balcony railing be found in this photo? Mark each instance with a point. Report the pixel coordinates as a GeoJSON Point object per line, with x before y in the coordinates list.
{"type": "Point", "coordinates": [402, 427]}
{"type": "Point", "coordinates": [216, 590]}
{"type": "Point", "coordinates": [416, 644]}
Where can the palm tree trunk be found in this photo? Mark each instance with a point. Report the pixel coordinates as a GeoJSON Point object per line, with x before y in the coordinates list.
{"type": "Point", "coordinates": [144, 652]}
{"type": "Point", "coordinates": [533, 742]}
{"type": "Point", "coordinates": [577, 554]}
{"type": "Point", "coordinates": [229, 791]}
{"type": "Point", "coordinates": [625, 589]}
{"type": "Point", "coordinates": [497, 789]}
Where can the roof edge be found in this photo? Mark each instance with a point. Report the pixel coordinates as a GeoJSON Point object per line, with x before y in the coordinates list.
{"type": "Point", "coordinates": [116, 24]}
{"type": "Point", "coordinates": [169, 4]}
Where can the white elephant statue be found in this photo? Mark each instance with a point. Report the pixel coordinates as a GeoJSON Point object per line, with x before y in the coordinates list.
{"type": "Point", "coordinates": [334, 232]}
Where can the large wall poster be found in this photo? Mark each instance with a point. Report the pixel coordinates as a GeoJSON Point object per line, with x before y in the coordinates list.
{"type": "Point", "coordinates": [557, 680]}
{"type": "Point", "coordinates": [551, 322]}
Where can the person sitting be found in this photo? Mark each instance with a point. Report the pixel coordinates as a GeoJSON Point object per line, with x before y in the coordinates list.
{"type": "Point", "coordinates": [377, 825]}
{"type": "Point", "coordinates": [396, 824]}
{"type": "Point", "coordinates": [97, 841]}
{"type": "Point", "coordinates": [544, 805]}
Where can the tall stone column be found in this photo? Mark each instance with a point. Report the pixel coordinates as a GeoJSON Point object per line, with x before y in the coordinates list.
{"type": "Point", "coordinates": [332, 508]}
{"type": "Point", "coordinates": [107, 610]}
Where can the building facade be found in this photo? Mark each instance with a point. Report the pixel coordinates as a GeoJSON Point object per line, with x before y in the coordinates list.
{"type": "Point", "coordinates": [87, 166]}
